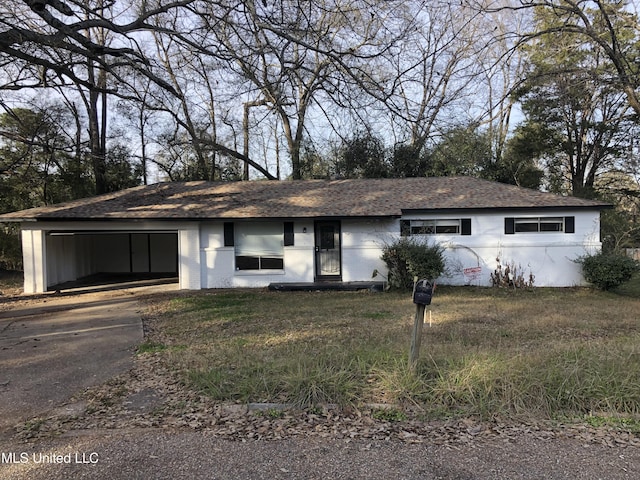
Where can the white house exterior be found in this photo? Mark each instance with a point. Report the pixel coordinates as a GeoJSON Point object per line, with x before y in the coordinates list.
{"type": "Point", "coordinates": [252, 234]}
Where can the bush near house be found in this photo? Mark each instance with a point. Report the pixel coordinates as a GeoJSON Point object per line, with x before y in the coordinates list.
{"type": "Point", "coordinates": [608, 270]}
{"type": "Point", "coordinates": [408, 258]}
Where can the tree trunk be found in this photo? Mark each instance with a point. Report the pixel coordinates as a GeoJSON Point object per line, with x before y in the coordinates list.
{"type": "Point", "coordinates": [95, 136]}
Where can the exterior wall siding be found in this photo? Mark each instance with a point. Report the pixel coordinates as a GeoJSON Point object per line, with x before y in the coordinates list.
{"type": "Point", "coordinates": [362, 244]}
{"type": "Point", "coordinates": [34, 260]}
{"type": "Point", "coordinates": [205, 262]}
{"type": "Point", "coordinates": [549, 257]}
{"type": "Point", "coordinates": [189, 264]}
{"type": "Point", "coordinates": [219, 261]}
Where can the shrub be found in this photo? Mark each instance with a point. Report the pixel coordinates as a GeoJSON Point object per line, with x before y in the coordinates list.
{"type": "Point", "coordinates": [511, 275]}
{"type": "Point", "coordinates": [608, 270]}
{"type": "Point", "coordinates": [408, 258]}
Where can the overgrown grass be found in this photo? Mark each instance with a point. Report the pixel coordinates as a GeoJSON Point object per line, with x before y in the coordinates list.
{"type": "Point", "coordinates": [551, 353]}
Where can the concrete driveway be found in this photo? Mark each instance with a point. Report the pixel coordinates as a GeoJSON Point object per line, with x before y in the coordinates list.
{"type": "Point", "coordinates": [54, 347]}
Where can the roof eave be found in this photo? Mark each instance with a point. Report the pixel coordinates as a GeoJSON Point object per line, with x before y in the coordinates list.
{"type": "Point", "coordinates": [17, 219]}
{"type": "Point", "coordinates": [420, 211]}
{"type": "Point", "coordinates": [195, 219]}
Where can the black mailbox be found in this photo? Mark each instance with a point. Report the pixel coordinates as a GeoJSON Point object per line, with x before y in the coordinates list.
{"type": "Point", "coordinates": [422, 292]}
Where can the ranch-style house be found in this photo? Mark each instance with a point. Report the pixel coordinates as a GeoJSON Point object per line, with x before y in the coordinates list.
{"type": "Point", "coordinates": [257, 233]}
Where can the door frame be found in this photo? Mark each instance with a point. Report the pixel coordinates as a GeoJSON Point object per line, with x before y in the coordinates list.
{"type": "Point", "coordinates": [318, 224]}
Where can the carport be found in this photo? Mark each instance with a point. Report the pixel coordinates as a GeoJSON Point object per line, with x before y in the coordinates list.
{"type": "Point", "coordinates": [64, 254]}
{"type": "Point", "coordinates": [110, 256]}
{"type": "Point", "coordinates": [142, 232]}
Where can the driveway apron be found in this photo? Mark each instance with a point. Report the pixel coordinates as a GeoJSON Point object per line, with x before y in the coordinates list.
{"type": "Point", "coordinates": [58, 346]}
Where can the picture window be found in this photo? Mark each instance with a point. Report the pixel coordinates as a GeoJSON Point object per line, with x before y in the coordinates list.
{"type": "Point", "coordinates": [259, 246]}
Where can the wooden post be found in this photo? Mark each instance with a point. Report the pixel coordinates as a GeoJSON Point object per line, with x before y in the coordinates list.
{"type": "Point", "coordinates": [416, 337]}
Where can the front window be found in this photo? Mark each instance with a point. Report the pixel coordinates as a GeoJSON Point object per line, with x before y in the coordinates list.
{"type": "Point", "coordinates": [259, 246]}
{"type": "Point", "coordinates": [455, 226]}
{"type": "Point", "coordinates": [539, 224]}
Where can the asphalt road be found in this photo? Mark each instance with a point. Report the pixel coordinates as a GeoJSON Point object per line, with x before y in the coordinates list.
{"type": "Point", "coordinates": [156, 454]}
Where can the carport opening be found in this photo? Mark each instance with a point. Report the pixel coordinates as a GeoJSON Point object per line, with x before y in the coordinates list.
{"type": "Point", "coordinates": [80, 259]}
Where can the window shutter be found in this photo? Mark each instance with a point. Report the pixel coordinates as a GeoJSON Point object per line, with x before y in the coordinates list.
{"type": "Point", "coordinates": [405, 228]}
{"type": "Point", "coordinates": [465, 226]}
{"type": "Point", "coordinates": [509, 226]}
{"type": "Point", "coordinates": [228, 234]}
{"type": "Point", "coordinates": [288, 234]}
{"type": "Point", "coordinates": [569, 224]}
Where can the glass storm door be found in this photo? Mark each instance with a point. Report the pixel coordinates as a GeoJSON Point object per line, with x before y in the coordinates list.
{"type": "Point", "coordinates": [328, 251]}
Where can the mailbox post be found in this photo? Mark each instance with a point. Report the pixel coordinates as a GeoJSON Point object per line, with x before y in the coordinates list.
{"type": "Point", "coordinates": [422, 294]}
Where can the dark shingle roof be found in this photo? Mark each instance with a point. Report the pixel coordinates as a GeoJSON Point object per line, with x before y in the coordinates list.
{"type": "Point", "coordinates": [301, 199]}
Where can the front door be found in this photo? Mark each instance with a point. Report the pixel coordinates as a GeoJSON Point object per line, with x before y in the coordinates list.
{"type": "Point", "coordinates": [328, 256]}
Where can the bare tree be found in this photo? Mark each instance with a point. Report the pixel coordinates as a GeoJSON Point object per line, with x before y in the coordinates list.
{"type": "Point", "coordinates": [292, 57]}
{"type": "Point", "coordinates": [62, 43]}
{"type": "Point", "coordinates": [140, 118]}
{"type": "Point", "coordinates": [503, 68]}
{"type": "Point", "coordinates": [609, 25]}
{"type": "Point", "coordinates": [35, 33]}
{"type": "Point", "coordinates": [437, 71]}
{"type": "Point", "coordinates": [188, 68]}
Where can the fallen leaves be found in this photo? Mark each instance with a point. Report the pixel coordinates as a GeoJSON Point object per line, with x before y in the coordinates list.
{"type": "Point", "coordinates": [152, 396]}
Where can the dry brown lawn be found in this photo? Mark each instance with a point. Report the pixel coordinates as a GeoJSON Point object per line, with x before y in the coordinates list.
{"type": "Point", "coordinates": [488, 352]}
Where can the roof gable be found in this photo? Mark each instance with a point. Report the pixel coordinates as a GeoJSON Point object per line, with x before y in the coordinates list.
{"type": "Point", "coordinates": [302, 199]}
